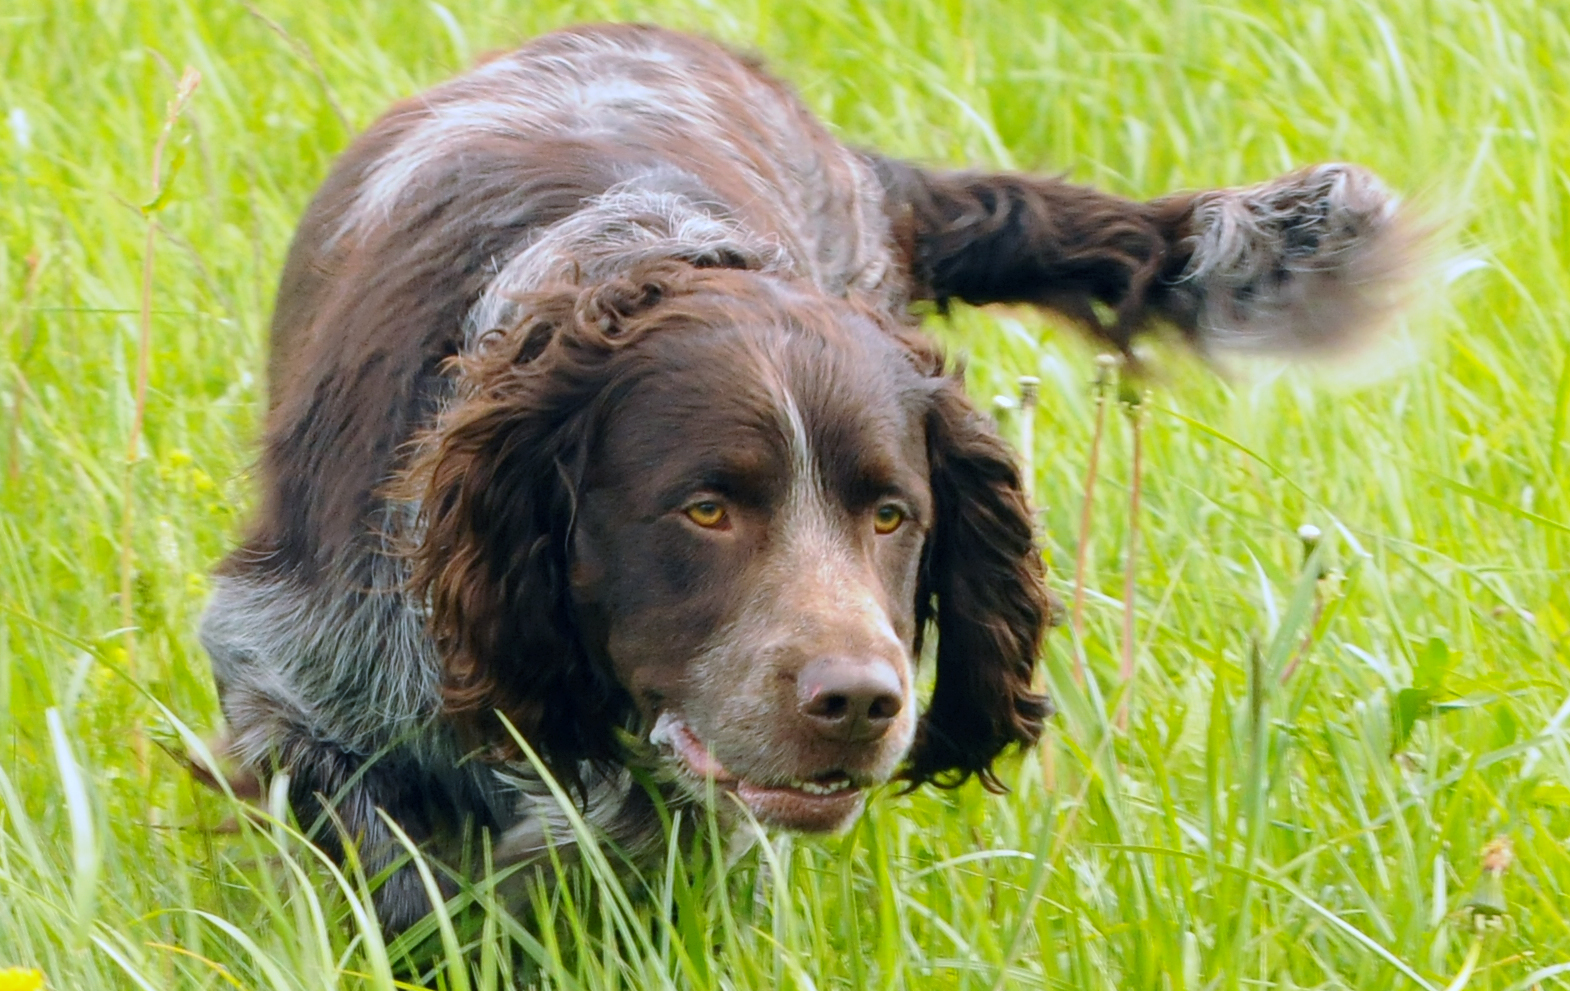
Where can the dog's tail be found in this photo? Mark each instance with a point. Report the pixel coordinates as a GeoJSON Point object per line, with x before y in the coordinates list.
{"type": "Point", "coordinates": [1315, 261]}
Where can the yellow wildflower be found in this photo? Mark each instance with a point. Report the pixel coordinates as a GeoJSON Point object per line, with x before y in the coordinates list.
{"type": "Point", "coordinates": [21, 979]}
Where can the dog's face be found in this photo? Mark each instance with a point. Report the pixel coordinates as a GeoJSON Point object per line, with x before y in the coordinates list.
{"type": "Point", "coordinates": [719, 509]}
{"type": "Point", "coordinates": [747, 552]}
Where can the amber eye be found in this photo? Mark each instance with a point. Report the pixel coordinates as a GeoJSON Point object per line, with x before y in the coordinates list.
{"type": "Point", "coordinates": [887, 519]}
{"type": "Point", "coordinates": [706, 513]}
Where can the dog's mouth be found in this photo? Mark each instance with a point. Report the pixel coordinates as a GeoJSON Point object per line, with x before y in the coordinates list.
{"type": "Point", "coordinates": [822, 803]}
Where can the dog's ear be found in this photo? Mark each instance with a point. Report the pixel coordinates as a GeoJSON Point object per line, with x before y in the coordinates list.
{"type": "Point", "coordinates": [497, 480]}
{"type": "Point", "coordinates": [982, 582]}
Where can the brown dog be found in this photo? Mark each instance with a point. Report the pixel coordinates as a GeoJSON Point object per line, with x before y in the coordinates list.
{"type": "Point", "coordinates": [596, 403]}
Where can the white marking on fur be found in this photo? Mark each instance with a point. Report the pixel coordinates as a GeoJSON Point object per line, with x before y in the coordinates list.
{"type": "Point", "coordinates": [596, 87]}
{"type": "Point", "coordinates": [612, 811]}
{"type": "Point", "coordinates": [815, 552]}
{"type": "Point", "coordinates": [805, 484]}
{"type": "Point", "coordinates": [543, 823]}
{"type": "Point", "coordinates": [349, 661]}
{"type": "Point", "coordinates": [611, 235]}
{"type": "Point", "coordinates": [357, 669]}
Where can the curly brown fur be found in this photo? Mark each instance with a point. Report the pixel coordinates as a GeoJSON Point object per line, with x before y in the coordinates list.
{"type": "Point", "coordinates": [984, 583]}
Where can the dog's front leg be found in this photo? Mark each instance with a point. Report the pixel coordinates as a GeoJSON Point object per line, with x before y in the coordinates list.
{"type": "Point", "coordinates": [337, 797]}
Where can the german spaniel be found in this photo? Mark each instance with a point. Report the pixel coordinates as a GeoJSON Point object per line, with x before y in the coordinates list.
{"type": "Point", "coordinates": [598, 411]}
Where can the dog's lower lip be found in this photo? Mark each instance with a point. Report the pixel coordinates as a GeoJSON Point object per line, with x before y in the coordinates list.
{"type": "Point", "coordinates": [792, 808]}
{"type": "Point", "coordinates": [821, 803]}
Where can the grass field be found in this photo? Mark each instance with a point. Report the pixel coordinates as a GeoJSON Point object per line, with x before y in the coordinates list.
{"type": "Point", "coordinates": [1300, 787]}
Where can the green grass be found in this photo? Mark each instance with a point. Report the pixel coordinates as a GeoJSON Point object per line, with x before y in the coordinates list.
{"type": "Point", "coordinates": [1234, 830]}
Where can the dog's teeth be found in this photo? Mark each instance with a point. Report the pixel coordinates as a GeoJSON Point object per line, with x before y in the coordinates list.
{"type": "Point", "coordinates": [821, 788]}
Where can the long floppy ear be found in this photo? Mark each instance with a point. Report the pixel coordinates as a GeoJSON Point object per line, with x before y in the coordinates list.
{"type": "Point", "coordinates": [982, 581]}
{"type": "Point", "coordinates": [497, 481]}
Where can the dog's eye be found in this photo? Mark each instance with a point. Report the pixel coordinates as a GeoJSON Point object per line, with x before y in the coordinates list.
{"type": "Point", "coordinates": [706, 513]}
{"type": "Point", "coordinates": [887, 519]}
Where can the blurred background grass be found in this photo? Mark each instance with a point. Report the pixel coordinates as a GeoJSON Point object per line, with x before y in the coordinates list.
{"type": "Point", "coordinates": [1263, 815]}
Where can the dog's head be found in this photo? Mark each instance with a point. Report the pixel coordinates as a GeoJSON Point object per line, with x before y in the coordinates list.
{"type": "Point", "coordinates": [721, 509]}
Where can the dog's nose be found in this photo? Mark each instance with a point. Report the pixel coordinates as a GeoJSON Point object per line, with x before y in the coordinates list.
{"type": "Point", "coordinates": [849, 699]}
